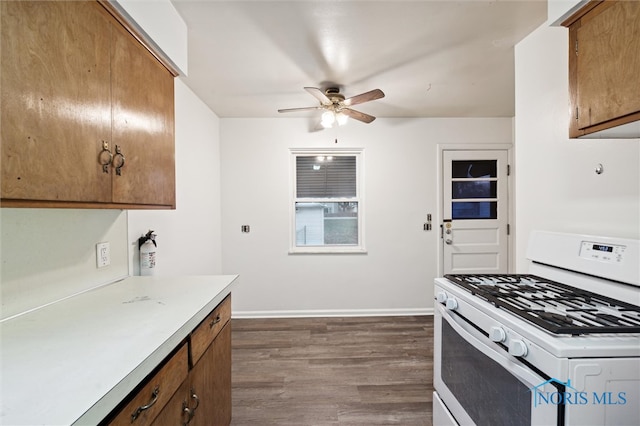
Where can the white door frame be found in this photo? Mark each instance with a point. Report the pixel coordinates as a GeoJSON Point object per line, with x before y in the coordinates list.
{"type": "Point", "coordinates": [440, 181]}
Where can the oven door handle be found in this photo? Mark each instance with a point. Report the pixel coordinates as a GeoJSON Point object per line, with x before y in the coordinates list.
{"type": "Point", "coordinates": [509, 363]}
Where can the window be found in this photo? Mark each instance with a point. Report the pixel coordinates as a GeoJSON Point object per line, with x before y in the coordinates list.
{"type": "Point", "coordinates": [327, 201]}
{"type": "Point", "coordinates": [474, 189]}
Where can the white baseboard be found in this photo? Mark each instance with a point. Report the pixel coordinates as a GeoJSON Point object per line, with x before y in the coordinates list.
{"type": "Point", "coordinates": [332, 313]}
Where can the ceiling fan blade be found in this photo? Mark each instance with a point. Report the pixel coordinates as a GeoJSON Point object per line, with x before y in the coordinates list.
{"type": "Point", "coordinates": [357, 115]}
{"type": "Point", "coordinates": [364, 97]}
{"type": "Point", "coordinates": [319, 95]}
{"type": "Point", "coordinates": [300, 109]}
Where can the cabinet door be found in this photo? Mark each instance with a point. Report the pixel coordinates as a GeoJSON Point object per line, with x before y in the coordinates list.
{"type": "Point", "coordinates": [178, 409]}
{"type": "Point", "coordinates": [157, 392]}
{"type": "Point", "coordinates": [55, 100]}
{"type": "Point", "coordinates": [143, 124]}
{"type": "Point", "coordinates": [607, 46]}
{"type": "Point", "coordinates": [211, 378]}
{"type": "Point", "coordinates": [205, 397]}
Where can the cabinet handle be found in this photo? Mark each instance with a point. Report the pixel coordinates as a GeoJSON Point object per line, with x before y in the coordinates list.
{"type": "Point", "coordinates": [120, 156]}
{"type": "Point", "coordinates": [185, 410]}
{"type": "Point", "coordinates": [195, 396]}
{"type": "Point", "coordinates": [190, 412]}
{"type": "Point", "coordinates": [154, 399]}
{"type": "Point", "coordinates": [105, 157]}
{"type": "Point", "coordinates": [215, 321]}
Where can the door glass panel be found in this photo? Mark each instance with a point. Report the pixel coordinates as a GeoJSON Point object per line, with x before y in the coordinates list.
{"type": "Point", "coordinates": [474, 183]}
{"type": "Point", "coordinates": [489, 394]}
{"type": "Point", "coordinates": [474, 169]}
{"type": "Point", "coordinates": [474, 189]}
{"type": "Point", "coordinates": [474, 210]}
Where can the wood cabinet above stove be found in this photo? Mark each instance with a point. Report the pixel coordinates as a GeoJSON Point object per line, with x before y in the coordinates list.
{"type": "Point", "coordinates": [604, 67]}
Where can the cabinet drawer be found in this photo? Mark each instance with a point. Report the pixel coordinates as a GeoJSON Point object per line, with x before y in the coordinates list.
{"type": "Point", "coordinates": [208, 329]}
{"type": "Point", "coordinates": [154, 395]}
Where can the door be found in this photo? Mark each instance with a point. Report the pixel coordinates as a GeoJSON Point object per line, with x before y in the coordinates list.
{"type": "Point", "coordinates": [475, 212]}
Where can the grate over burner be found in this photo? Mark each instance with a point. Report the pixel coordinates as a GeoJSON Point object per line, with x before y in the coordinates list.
{"type": "Point", "coordinates": [556, 307]}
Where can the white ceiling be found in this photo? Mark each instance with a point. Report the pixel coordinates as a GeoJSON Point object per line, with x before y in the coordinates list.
{"type": "Point", "coordinates": [431, 58]}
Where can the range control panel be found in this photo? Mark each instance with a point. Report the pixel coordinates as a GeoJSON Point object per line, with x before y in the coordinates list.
{"type": "Point", "coordinates": [609, 253]}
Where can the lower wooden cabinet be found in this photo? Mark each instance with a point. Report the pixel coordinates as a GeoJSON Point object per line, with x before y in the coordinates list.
{"type": "Point", "coordinates": [192, 386]}
{"type": "Point", "coordinates": [155, 393]}
{"type": "Point", "coordinates": [205, 397]}
{"type": "Point", "coordinates": [216, 378]}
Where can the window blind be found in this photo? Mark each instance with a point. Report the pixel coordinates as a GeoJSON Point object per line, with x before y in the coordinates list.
{"type": "Point", "coordinates": [326, 178]}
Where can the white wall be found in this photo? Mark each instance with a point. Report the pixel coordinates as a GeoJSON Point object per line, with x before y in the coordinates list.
{"type": "Point", "coordinates": [556, 186]}
{"type": "Point", "coordinates": [50, 254]}
{"type": "Point", "coordinates": [162, 24]}
{"type": "Point", "coordinates": [188, 237]}
{"type": "Point", "coordinates": [396, 275]}
{"type": "Point", "coordinates": [559, 10]}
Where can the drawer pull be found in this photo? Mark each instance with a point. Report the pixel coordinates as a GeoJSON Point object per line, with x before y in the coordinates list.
{"type": "Point", "coordinates": [215, 321]}
{"type": "Point", "coordinates": [154, 399]}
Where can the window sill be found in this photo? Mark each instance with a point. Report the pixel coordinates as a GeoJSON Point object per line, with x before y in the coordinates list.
{"type": "Point", "coordinates": [327, 250]}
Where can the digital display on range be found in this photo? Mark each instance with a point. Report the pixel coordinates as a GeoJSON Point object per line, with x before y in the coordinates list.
{"type": "Point", "coordinates": [600, 247]}
{"type": "Point", "coordinates": [608, 253]}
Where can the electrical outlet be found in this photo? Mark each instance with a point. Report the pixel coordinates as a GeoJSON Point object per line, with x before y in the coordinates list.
{"type": "Point", "coordinates": [103, 254]}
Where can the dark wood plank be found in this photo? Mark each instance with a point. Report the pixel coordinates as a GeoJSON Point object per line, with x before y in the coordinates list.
{"type": "Point", "coordinates": [333, 371]}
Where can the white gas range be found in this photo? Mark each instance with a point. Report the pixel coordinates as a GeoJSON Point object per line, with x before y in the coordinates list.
{"type": "Point", "coordinates": [558, 346]}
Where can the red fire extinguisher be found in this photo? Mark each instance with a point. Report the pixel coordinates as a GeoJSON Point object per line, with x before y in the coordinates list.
{"type": "Point", "coordinates": [148, 248]}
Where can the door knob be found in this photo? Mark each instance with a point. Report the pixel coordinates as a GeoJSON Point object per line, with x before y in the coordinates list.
{"type": "Point", "coordinates": [448, 241]}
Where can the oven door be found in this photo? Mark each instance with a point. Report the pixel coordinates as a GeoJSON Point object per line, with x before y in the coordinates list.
{"type": "Point", "coordinates": [479, 382]}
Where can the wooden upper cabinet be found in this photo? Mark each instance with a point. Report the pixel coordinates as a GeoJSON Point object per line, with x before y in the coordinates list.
{"type": "Point", "coordinates": [143, 124]}
{"type": "Point", "coordinates": [604, 66]}
{"type": "Point", "coordinates": [56, 104]}
{"type": "Point", "coordinates": [74, 82]}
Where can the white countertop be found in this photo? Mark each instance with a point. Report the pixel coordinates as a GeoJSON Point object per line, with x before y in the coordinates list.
{"type": "Point", "coordinates": [73, 361]}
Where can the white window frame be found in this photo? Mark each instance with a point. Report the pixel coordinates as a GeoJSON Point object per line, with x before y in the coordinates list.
{"type": "Point", "coordinates": [359, 198]}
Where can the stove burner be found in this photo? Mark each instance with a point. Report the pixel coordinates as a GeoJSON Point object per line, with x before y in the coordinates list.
{"type": "Point", "coordinates": [555, 307]}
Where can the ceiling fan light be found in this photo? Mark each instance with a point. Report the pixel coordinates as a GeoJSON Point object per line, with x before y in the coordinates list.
{"type": "Point", "coordinates": [341, 118]}
{"type": "Point", "coordinates": [328, 118]}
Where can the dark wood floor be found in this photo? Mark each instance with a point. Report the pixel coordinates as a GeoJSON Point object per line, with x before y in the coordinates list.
{"type": "Point", "coordinates": [332, 371]}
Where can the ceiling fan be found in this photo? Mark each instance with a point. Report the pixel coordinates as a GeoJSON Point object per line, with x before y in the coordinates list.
{"type": "Point", "coordinates": [337, 107]}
